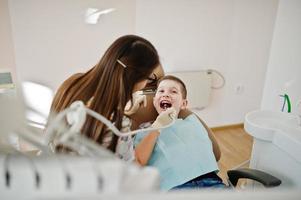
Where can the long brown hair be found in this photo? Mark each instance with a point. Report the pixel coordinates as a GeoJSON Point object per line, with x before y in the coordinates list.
{"type": "Point", "coordinates": [109, 83]}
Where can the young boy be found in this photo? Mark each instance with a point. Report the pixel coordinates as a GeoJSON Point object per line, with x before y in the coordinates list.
{"type": "Point", "coordinates": [182, 152]}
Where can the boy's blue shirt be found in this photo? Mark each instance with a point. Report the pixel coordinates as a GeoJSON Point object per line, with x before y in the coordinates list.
{"type": "Point", "coordinates": [183, 152]}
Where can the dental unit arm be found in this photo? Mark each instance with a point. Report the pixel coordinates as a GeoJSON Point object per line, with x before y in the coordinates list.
{"type": "Point", "coordinates": [48, 175]}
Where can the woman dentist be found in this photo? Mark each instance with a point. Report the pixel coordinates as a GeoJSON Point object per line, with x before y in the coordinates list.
{"type": "Point", "coordinates": [127, 66]}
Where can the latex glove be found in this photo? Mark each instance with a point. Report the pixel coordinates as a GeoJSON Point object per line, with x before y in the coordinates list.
{"type": "Point", "coordinates": [166, 117]}
{"type": "Point", "coordinates": [139, 99]}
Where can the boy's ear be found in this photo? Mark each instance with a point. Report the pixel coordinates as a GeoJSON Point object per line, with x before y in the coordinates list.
{"type": "Point", "coordinates": [184, 104]}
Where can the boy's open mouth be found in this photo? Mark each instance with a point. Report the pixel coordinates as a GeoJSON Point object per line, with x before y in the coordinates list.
{"type": "Point", "coordinates": [165, 104]}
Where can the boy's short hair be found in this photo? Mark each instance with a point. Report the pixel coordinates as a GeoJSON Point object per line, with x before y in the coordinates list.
{"type": "Point", "coordinates": [176, 79]}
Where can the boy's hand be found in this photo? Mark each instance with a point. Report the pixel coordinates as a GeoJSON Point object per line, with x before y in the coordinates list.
{"type": "Point", "coordinates": [166, 117]}
{"type": "Point", "coordinates": [138, 100]}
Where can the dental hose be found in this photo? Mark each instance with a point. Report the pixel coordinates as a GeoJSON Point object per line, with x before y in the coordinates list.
{"type": "Point", "coordinates": [76, 114]}
{"type": "Point", "coordinates": [111, 126]}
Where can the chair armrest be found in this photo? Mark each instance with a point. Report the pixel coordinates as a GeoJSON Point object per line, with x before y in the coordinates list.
{"type": "Point", "coordinates": [266, 179]}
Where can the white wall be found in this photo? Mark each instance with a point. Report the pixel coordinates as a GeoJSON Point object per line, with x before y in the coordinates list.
{"type": "Point", "coordinates": [284, 68]}
{"type": "Point", "coordinates": [232, 36]}
{"type": "Point", "coordinates": [7, 57]}
{"type": "Point", "coordinates": [52, 40]}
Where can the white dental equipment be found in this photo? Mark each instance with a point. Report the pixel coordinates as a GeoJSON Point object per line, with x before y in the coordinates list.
{"type": "Point", "coordinates": [52, 175]}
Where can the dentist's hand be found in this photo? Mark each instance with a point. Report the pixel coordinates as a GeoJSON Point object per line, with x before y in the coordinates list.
{"type": "Point", "coordinates": [139, 99]}
{"type": "Point", "coordinates": [166, 117]}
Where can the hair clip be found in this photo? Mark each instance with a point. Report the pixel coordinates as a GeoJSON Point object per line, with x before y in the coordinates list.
{"type": "Point", "coordinates": [121, 63]}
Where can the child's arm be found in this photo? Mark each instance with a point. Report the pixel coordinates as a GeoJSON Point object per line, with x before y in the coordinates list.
{"type": "Point", "coordinates": [144, 149]}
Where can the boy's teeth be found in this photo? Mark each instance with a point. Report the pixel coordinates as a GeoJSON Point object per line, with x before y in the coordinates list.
{"type": "Point", "coordinates": [165, 104]}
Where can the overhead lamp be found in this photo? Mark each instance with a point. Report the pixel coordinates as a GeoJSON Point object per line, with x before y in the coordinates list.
{"type": "Point", "coordinates": [92, 14]}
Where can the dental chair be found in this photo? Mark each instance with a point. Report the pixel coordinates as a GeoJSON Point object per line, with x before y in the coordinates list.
{"type": "Point", "coordinates": [234, 175]}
